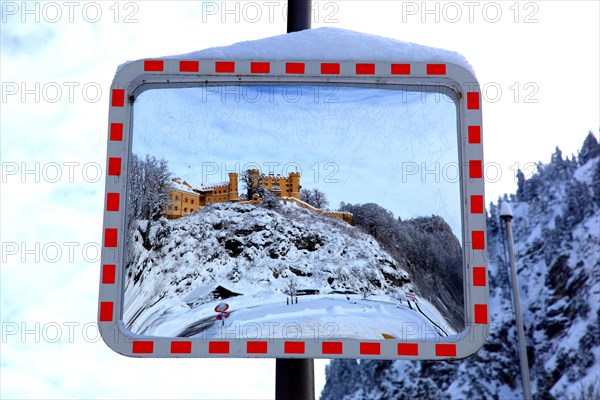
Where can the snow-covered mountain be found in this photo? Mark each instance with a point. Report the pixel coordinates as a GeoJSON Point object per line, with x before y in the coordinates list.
{"type": "Point", "coordinates": [557, 240]}
{"type": "Point", "coordinates": [251, 255]}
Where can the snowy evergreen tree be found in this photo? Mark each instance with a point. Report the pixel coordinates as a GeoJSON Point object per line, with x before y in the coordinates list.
{"type": "Point", "coordinates": [520, 186]}
{"type": "Point", "coordinates": [557, 244]}
{"type": "Point", "coordinates": [596, 184]}
{"type": "Point", "coordinates": [590, 149]}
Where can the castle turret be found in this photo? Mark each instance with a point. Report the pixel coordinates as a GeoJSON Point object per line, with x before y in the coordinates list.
{"type": "Point", "coordinates": [294, 179]}
{"type": "Point", "coordinates": [233, 187]}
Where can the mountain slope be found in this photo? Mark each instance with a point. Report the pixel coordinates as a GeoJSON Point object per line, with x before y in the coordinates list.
{"type": "Point", "coordinates": [557, 240]}
{"type": "Point", "coordinates": [258, 253]}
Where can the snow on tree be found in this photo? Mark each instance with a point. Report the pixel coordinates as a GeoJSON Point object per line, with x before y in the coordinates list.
{"type": "Point", "coordinates": [520, 185]}
{"type": "Point", "coordinates": [556, 234]}
{"type": "Point", "coordinates": [589, 150]}
{"type": "Point", "coordinates": [270, 200]}
{"type": "Point", "coordinates": [148, 192]}
{"type": "Point", "coordinates": [596, 184]}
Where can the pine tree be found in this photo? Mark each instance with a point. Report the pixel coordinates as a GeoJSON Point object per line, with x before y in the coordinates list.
{"type": "Point", "coordinates": [590, 149]}
{"type": "Point", "coordinates": [520, 186]}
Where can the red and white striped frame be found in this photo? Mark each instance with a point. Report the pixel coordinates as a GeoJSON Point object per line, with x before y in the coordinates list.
{"type": "Point", "coordinates": [130, 81]}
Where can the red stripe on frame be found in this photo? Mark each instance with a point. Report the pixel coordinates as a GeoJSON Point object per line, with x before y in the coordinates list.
{"type": "Point", "coordinates": [189, 66]}
{"type": "Point", "coordinates": [436, 69]}
{"type": "Point", "coordinates": [474, 133]}
{"type": "Point", "coordinates": [112, 201]}
{"type": "Point", "coordinates": [400, 69]}
{"type": "Point", "coordinates": [476, 204]}
{"type": "Point", "coordinates": [260, 67]}
{"type": "Point", "coordinates": [106, 311]}
{"type": "Point", "coordinates": [293, 347]}
{"type": "Point", "coordinates": [332, 347]}
{"type": "Point", "coordinates": [475, 170]}
{"type": "Point", "coordinates": [142, 347]}
{"type": "Point", "coordinates": [154, 65]}
{"type": "Point", "coordinates": [116, 132]}
{"type": "Point", "coordinates": [256, 347]}
{"type": "Point", "coordinates": [294, 68]}
{"type": "Point", "coordinates": [227, 67]}
{"type": "Point", "coordinates": [479, 276]}
{"type": "Point", "coordinates": [218, 347]}
{"type": "Point", "coordinates": [472, 100]}
{"type": "Point", "coordinates": [445, 350]}
{"type": "Point", "coordinates": [114, 166]}
{"type": "Point", "coordinates": [118, 97]}
{"type": "Point", "coordinates": [370, 348]}
{"type": "Point", "coordinates": [365, 69]}
{"type": "Point", "coordinates": [110, 237]}
{"type": "Point", "coordinates": [109, 272]}
{"type": "Point", "coordinates": [181, 347]}
{"type": "Point", "coordinates": [330, 68]}
{"type": "Point", "coordinates": [481, 314]}
{"type": "Point", "coordinates": [478, 240]}
{"type": "Point", "coordinates": [408, 349]}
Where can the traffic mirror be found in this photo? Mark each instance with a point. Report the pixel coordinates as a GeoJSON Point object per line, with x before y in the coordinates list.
{"type": "Point", "coordinates": [294, 209]}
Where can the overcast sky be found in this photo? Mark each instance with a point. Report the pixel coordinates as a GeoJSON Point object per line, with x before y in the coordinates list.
{"type": "Point", "coordinates": [538, 64]}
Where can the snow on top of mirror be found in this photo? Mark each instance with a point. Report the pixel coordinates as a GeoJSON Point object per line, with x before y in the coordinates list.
{"type": "Point", "coordinates": [328, 44]}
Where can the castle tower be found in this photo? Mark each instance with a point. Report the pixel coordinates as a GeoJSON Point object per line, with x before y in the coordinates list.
{"type": "Point", "coordinates": [294, 179]}
{"type": "Point", "coordinates": [233, 187]}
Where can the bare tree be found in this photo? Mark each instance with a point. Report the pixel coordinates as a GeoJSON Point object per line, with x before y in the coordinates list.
{"type": "Point", "coordinates": [306, 196]}
{"type": "Point", "coordinates": [291, 289]}
{"type": "Point", "coordinates": [314, 197]}
{"type": "Point", "coordinates": [319, 199]}
{"type": "Point", "coordinates": [148, 193]}
{"type": "Point", "coordinates": [251, 183]}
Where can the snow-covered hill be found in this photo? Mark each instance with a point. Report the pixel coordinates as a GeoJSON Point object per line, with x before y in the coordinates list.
{"type": "Point", "coordinates": [254, 254]}
{"type": "Point", "coordinates": [557, 239]}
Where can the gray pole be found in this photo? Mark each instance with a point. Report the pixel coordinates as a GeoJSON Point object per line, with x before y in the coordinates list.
{"type": "Point", "coordinates": [507, 216]}
{"type": "Point", "coordinates": [295, 378]}
{"type": "Point", "coordinates": [299, 14]}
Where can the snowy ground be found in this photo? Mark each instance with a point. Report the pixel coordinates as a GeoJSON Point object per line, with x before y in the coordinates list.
{"type": "Point", "coordinates": [265, 314]}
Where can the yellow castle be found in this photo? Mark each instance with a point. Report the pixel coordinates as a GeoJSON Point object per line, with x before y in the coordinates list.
{"type": "Point", "coordinates": [185, 199]}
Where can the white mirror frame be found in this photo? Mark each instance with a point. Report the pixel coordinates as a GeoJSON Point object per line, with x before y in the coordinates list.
{"type": "Point", "coordinates": [141, 75]}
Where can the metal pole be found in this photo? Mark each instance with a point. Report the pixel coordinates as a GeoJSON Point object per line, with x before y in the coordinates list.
{"type": "Point", "coordinates": [294, 379]}
{"type": "Point", "coordinates": [506, 215]}
{"type": "Point", "coordinates": [298, 15]}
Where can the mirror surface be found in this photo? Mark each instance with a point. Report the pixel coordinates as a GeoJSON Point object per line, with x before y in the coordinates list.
{"type": "Point", "coordinates": [283, 211]}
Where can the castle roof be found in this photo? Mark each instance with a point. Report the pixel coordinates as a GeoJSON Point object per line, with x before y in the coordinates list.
{"type": "Point", "coordinates": [181, 186]}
